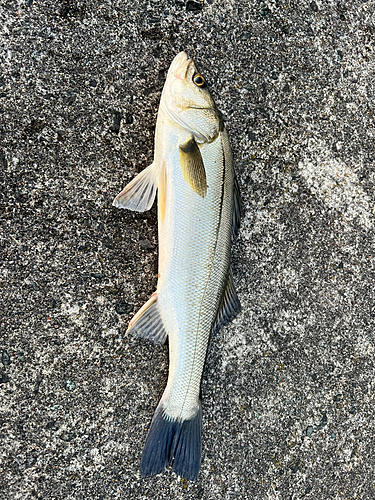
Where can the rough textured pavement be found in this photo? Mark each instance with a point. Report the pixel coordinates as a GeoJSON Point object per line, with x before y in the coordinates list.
{"type": "Point", "coordinates": [288, 389]}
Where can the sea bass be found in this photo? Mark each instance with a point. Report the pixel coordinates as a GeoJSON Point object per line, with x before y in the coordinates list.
{"type": "Point", "coordinates": [198, 213]}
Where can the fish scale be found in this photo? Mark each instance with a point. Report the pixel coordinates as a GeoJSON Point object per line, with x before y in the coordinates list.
{"type": "Point", "coordinates": [202, 269]}
{"type": "Point", "coordinates": [198, 212]}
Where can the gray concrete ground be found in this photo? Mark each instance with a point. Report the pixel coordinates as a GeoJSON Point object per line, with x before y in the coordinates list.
{"type": "Point", "coordinates": [288, 389]}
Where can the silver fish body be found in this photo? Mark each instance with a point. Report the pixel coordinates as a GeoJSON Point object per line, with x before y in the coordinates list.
{"type": "Point", "coordinates": [198, 211]}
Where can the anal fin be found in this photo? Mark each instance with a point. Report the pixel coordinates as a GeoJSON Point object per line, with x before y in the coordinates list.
{"type": "Point", "coordinates": [230, 305]}
{"type": "Point", "coordinates": [147, 323]}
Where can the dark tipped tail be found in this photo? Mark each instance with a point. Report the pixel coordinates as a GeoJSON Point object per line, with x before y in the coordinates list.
{"type": "Point", "coordinates": [169, 440]}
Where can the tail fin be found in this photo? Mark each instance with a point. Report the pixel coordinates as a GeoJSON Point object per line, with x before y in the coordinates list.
{"type": "Point", "coordinates": [175, 440]}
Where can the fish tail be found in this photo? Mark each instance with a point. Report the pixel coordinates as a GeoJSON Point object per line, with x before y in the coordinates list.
{"type": "Point", "coordinates": [173, 440]}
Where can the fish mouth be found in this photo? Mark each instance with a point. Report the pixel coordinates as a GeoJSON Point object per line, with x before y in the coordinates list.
{"type": "Point", "coordinates": [200, 107]}
{"type": "Point", "coordinates": [182, 71]}
{"type": "Point", "coordinates": [177, 63]}
{"type": "Point", "coordinates": [180, 66]}
{"type": "Point", "coordinates": [180, 58]}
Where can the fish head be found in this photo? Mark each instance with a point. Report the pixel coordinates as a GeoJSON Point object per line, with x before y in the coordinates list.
{"type": "Point", "coordinates": [188, 101]}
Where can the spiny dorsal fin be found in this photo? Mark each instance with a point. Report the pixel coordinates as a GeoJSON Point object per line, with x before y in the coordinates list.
{"type": "Point", "coordinates": [147, 323]}
{"type": "Point", "coordinates": [236, 209]}
{"type": "Point", "coordinates": [230, 305]}
{"type": "Point", "coordinates": [139, 194]}
{"type": "Point", "coordinates": [192, 167]}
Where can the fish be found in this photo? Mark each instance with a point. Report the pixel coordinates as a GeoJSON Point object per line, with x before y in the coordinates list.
{"type": "Point", "coordinates": [199, 211]}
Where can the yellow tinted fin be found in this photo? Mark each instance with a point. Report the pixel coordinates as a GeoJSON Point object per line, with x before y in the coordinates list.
{"type": "Point", "coordinates": [140, 193]}
{"type": "Point", "coordinates": [192, 167]}
{"type": "Point", "coordinates": [147, 323]}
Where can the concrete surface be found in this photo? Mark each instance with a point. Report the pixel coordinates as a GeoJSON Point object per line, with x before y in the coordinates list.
{"type": "Point", "coordinates": [288, 389]}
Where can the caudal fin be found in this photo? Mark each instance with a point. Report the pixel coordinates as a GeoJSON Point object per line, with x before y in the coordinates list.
{"type": "Point", "coordinates": [172, 440]}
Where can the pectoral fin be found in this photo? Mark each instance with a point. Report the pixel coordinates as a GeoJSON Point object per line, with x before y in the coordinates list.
{"type": "Point", "coordinates": [192, 167]}
{"type": "Point", "coordinates": [230, 305]}
{"type": "Point", "coordinates": [140, 193]}
{"type": "Point", "coordinates": [147, 323]}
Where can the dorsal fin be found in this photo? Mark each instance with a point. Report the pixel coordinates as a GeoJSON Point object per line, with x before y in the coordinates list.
{"type": "Point", "coordinates": [192, 167]}
{"type": "Point", "coordinates": [236, 209]}
{"type": "Point", "coordinates": [230, 305]}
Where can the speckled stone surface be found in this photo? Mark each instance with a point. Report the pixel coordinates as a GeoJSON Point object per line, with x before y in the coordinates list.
{"type": "Point", "coordinates": [288, 389]}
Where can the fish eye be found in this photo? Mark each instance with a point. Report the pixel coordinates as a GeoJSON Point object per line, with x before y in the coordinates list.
{"type": "Point", "coordinates": [199, 80]}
